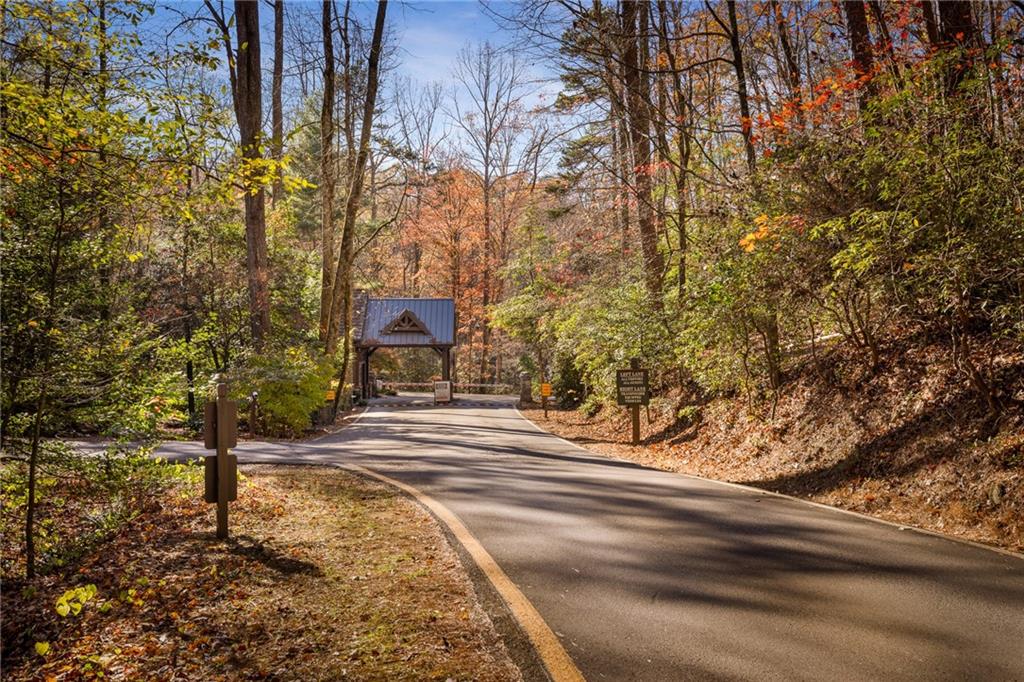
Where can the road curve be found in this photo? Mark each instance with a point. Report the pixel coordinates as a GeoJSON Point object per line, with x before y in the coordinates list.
{"type": "Point", "coordinates": [650, 575]}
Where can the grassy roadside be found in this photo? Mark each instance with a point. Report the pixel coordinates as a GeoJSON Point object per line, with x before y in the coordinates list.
{"type": "Point", "coordinates": [327, 576]}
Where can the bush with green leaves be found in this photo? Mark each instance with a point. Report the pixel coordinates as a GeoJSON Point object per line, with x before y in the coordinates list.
{"type": "Point", "coordinates": [603, 329]}
{"type": "Point", "coordinates": [291, 383]}
{"type": "Point", "coordinates": [923, 218]}
{"type": "Point", "coordinates": [81, 498]}
{"type": "Point", "coordinates": [567, 382]}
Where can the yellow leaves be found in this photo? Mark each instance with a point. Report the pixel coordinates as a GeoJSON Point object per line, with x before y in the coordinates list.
{"type": "Point", "coordinates": [771, 227]}
{"type": "Point", "coordinates": [72, 601]}
{"type": "Point", "coordinates": [764, 227]}
{"type": "Point", "coordinates": [42, 648]}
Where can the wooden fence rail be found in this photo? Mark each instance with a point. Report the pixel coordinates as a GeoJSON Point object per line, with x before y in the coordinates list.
{"type": "Point", "coordinates": [491, 389]}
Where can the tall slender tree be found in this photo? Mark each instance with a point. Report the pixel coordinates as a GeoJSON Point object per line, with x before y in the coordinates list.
{"type": "Point", "coordinates": [860, 45]}
{"type": "Point", "coordinates": [341, 298]}
{"type": "Point", "coordinates": [736, 48]}
{"type": "Point", "coordinates": [276, 106]}
{"type": "Point", "coordinates": [249, 103]}
{"type": "Point", "coordinates": [245, 75]}
{"type": "Point", "coordinates": [494, 83]}
{"type": "Point", "coordinates": [635, 68]}
{"type": "Point", "coordinates": [956, 30]}
{"type": "Point", "coordinates": [327, 173]}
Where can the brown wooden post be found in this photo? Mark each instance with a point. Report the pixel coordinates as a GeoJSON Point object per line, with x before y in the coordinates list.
{"type": "Point", "coordinates": [223, 473]}
{"type": "Point", "coordinates": [364, 375]}
{"type": "Point", "coordinates": [634, 363]}
{"type": "Point", "coordinates": [446, 364]}
{"type": "Point", "coordinates": [220, 433]}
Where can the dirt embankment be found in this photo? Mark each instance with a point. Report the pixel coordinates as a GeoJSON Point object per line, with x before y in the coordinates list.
{"type": "Point", "coordinates": [909, 442]}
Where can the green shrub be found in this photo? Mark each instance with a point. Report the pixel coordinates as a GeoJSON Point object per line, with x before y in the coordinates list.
{"type": "Point", "coordinates": [291, 385]}
{"type": "Point", "coordinates": [568, 382]}
{"type": "Point", "coordinates": [80, 500]}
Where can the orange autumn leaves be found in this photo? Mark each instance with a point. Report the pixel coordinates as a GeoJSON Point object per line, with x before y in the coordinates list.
{"type": "Point", "coordinates": [768, 230]}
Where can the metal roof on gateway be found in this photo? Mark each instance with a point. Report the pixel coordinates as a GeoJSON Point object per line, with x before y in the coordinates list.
{"type": "Point", "coordinates": [385, 322]}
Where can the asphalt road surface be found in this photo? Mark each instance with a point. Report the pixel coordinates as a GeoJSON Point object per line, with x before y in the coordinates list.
{"type": "Point", "coordinates": [649, 575]}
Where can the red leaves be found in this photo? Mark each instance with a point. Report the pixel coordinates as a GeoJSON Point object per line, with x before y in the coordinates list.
{"type": "Point", "coordinates": [651, 169]}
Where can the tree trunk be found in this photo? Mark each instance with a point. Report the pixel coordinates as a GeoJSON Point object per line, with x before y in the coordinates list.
{"type": "Point", "coordinates": [622, 166]}
{"type": "Point", "coordinates": [887, 46]}
{"type": "Point", "coordinates": [106, 271]}
{"type": "Point", "coordinates": [683, 121]}
{"type": "Point", "coordinates": [327, 166]}
{"type": "Point", "coordinates": [620, 154]}
{"type": "Point", "coordinates": [957, 24]}
{"type": "Point", "coordinates": [957, 30]}
{"type": "Point", "coordinates": [341, 299]}
{"type": "Point", "coordinates": [30, 509]}
{"type": "Point", "coordinates": [277, 110]}
{"type": "Point", "coordinates": [49, 318]}
{"type": "Point", "coordinates": [660, 116]}
{"type": "Point", "coordinates": [860, 46]}
{"type": "Point", "coordinates": [792, 69]}
{"type": "Point", "coordinates": [485, 341]}
{"type": "Point", "coordinates": [634, 24]}
{"type": "Point", "coordinates": [931, 25]}
{"type": "Point", "coordinates": [741, 86]}
{"type": "Point", "coordinates": [249, 111]}
{"type": "Point", "coordinates": [620, 145]}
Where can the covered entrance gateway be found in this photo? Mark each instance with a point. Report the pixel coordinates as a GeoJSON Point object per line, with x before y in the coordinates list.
{"type": "Point", "coordinates": [402, 323]}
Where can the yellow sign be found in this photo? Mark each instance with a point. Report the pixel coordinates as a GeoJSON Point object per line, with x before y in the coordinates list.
{"type": "Point", "coordinates": [545, 390]}
{"type": "Point", "coordinates": [329, 395]}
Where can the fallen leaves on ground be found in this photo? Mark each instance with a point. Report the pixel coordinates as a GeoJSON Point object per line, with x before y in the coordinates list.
{"type": "Point", "coordinates": [326, 576]}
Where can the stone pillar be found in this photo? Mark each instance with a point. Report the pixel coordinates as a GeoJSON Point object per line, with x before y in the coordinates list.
{"type": "Point", "coordinates": [525, 388]}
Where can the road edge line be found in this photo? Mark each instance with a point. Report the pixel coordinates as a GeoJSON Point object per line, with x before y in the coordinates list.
{"type": "Point", "coordinates": [820, 505]}
{"type": "Point", "coordinates": [559, 665]}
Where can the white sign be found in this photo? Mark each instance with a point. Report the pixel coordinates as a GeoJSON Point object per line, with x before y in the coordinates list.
{"type": "Point", "coordinates": [442, 392]}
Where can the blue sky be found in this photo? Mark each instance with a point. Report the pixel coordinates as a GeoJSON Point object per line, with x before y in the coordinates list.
{"type": "Point", "coordinates": [428, 34]}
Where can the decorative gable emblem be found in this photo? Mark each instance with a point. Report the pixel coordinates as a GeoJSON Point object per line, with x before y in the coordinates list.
{"type": "Point", "coordinates": [405, 323]}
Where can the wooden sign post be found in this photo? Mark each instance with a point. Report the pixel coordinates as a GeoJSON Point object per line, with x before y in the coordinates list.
{"type": "Point", "coordinates": [631, 390]}
{"type": "Point", "coordinates": [545, 393]}
{"type": "Point", "coordinates": [220, 433]}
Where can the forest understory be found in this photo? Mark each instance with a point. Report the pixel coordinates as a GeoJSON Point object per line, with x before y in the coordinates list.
{"type": "Point", "coordinates": [908, 443]}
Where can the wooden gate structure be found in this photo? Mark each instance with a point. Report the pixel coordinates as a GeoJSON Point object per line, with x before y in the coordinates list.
{"type": "Point", "coordinates": [401, 323]}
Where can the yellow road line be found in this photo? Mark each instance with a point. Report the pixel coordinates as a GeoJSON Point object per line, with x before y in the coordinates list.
{"type": "Point", "coordinates": [554, 656]}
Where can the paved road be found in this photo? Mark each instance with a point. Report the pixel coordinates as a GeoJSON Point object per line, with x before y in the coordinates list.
{"type": "Point", "coordinates": [648, 575]}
